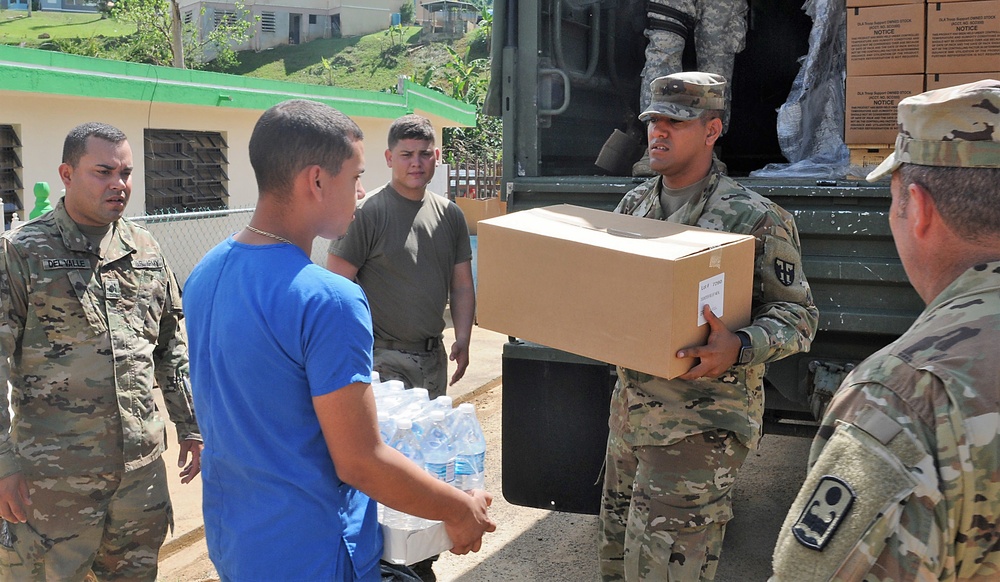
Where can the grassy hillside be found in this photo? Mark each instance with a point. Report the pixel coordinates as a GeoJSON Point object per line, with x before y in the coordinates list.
{"type": "Point", "coordinates": [17, 28]}
{"type": "Point", "coordinates": [371, 62]}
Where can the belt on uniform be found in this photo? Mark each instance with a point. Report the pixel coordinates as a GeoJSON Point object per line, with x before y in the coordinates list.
{"type": "Point", "coordinates": [428, 345]}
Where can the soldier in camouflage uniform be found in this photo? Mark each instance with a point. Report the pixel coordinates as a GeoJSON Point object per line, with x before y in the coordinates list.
{"type": "Point", "coordinates": [675, 445]}
{"type": "Point", "coordinates": [904, 479]}
{"type": "Point", "coordinates": [718, 29]}
{"type": "Point", "coordinates": [92, 321]}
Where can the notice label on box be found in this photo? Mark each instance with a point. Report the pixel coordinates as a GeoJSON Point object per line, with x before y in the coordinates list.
{"type": "Point", "coordinates": [711, 292]}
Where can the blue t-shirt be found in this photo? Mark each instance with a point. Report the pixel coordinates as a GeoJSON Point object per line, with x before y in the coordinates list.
{"type": "Point", "coordinates": [269, 330]}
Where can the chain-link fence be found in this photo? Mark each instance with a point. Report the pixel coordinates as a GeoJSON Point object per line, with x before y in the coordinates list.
{"type": "Point", "coordinates": [185, 237]}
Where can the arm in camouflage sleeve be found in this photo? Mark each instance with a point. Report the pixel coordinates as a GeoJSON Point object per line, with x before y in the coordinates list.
{"type": "Point", "coordinates": [784, 317]}
{"type": "Point", "coordinates": [13, 302]}
{"type": "Point", "coordinates": [171, 358]}
{"type": "Point", "coordinates": [898, 524]}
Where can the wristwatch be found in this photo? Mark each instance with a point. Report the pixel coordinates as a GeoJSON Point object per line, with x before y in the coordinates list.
{"type": "Point", "coordinates": [746, 349]}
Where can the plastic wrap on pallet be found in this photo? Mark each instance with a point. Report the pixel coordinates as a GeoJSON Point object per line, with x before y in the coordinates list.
{"type": "Point", "coordinates": [810, 123]}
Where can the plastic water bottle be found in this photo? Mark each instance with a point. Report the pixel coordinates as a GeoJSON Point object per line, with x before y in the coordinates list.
{"type": "Point", "coordinates": [470, 449]}
{"type": "Point", "coordinates": [412, 403]}
{"type": "Point", "coordinates": [438, 449]}
{"type": "Point", "coordinates": [386, 427]}
{"type": "Point", "coordinates": [389, 396]}
{"type": "Point", "coordinates": [423, 418]}
{"type": "Point", "coordinates": [407, 443]}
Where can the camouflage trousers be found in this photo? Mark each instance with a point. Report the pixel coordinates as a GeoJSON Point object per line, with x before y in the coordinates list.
{"type": "Point", "coordinates": [113, 524]}
{"type": "Point", "coordinates": [719, 34]}
{"type": "Point", "coordinates": [415, 369]}
{"type": "Point", "coordinates": [665, 508]}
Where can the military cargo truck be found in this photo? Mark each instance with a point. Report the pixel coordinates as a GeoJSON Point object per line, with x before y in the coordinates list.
{"type": "Point", "coordinates": [565, 75]}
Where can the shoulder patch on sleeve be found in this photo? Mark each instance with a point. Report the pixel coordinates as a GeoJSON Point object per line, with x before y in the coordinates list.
{"type": "Point", "coordinates": [823, 513]}
{"type": "Point", "coordinates": [784, 271]}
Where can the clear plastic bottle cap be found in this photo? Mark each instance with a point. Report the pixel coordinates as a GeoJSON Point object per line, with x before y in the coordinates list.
{"type": "Point", "coordinates": [437, 415]}
{"type": "Point", "coordinates": [467, 407]}
{"type": "Point", "coordinates": [443, 402]}
{"type": "Point", "coordinates": [395, 384]}
{"type": "Point", "coordinates": [421, 393]}
{"type": "Point", "coordinates": [404, 423]}
{"type": "Point", "coordinates": [376, 379]}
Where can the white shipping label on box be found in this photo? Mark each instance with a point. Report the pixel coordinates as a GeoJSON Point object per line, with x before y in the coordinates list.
{"type": "Point", "coordinates": [712, 292]}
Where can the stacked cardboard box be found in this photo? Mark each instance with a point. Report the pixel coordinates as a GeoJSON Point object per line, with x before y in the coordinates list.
{"type": "Point", "coordinates": [963, 42]}
{"type": "Point", "coordinates": [476, 209]}
{"type": "Point", "coordinates": [886, 40]}
{"type": "Point", "coordinates": [898, 48]}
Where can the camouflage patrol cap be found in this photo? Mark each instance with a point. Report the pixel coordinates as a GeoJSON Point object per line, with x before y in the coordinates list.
{"type": "Point", "coordinates": [955, 126]}
{"type": "Point", "coordinates": [686, 95]}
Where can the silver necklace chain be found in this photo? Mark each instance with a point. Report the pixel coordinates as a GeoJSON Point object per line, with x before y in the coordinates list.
{"type": "Point", "coordinates": [268, 234]}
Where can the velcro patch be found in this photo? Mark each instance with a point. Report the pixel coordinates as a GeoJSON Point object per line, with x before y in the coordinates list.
{"type": "Point", "coordinates": [49, 264]}
{"type": "Point", "coordinates": [156, 263]}
{"type": "Point", "coordinates": [823, 513]}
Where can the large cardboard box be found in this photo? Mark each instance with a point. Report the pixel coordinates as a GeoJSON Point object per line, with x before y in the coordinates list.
{"type": "Point", "coordinates": [870, 116]}
{"type": "Point", "coordinates": [859, 3]}
{"type": "Point", "coordinates": [476, 209]}
{"type": "Point", "coordinates": [885, 40]}
{"type": "Point", "coordinates": [942, 80]}
{"type": "Point", "coordinates": [963, 37]}
{"type": "Point", "coordinates": [615, 288]}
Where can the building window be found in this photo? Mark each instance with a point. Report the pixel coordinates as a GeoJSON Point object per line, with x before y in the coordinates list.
{"type": "Point", "coordinates": [220, 16]}
{"type": "Point", "coordinates": [267, 22]}
{"type": "Point", "coordinates": [188, 16]}
{"type": "Point", "coordinates": [335, 26]}
{"type": "Point", "coordinates": [185, 171]}
{"type": "Point", "coordinates": [312, 19]}
{"type": "Point", "coordinates": [10, 172]}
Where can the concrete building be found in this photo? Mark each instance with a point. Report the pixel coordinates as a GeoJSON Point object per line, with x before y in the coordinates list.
{"type": "Point", "coordinates": [189, 130]}
{"type": "Point", "coordinates": [279, 22]}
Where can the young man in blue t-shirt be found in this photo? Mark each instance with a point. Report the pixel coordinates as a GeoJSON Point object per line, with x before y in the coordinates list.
{"type": "Point", "coordinates": [281, 367]}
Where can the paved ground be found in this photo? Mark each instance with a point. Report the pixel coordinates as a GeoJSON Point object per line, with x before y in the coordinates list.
{"type": "Point", "coordinates": [538, 545]}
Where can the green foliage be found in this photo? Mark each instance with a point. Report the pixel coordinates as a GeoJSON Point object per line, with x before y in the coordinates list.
{"type": "Point", "coordinates": [406, 12]}
{"type": "Point", "coordinates": [466, 81]}
{"type": "Point", "coordinates": [230, 32]}
{"type": "Point", "coordinates": [153, 41]}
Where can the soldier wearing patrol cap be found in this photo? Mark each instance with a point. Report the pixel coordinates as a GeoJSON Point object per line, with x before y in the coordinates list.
{"type": "Point", "coordinates": [675, 446]}
{"type": "Point", "coordinates": [904, 479]}
{"type": "Point", "coordinates": [91, 323]}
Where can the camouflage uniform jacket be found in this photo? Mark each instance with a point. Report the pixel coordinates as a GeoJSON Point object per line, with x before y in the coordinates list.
{"type": "Point", "coordinates": [83, 343]}
{"type": "Point", "coordinates": [907, 460]}
{"type": "Point", "coordinates": [648, 410]}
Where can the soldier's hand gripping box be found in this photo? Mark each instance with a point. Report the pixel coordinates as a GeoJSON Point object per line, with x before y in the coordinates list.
{"type": "Point", "coordinates": [618, 289]}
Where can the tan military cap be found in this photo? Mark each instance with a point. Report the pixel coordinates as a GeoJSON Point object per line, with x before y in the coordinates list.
{"type": "Point", "coordinates": [686, 96]}
{"type": "Point", "coordinates": [955, 126]}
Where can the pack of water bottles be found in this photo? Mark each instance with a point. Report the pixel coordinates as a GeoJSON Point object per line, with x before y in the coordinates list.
{"type": "Point", "coordinates": [447, 441]}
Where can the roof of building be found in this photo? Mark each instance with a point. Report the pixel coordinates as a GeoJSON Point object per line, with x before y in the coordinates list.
{"type": "Point", "coordinates": [38, 71]}
{"type": "Point", "coordinates": [437, 5]}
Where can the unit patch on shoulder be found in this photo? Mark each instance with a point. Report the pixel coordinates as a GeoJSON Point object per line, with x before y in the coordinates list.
{"type": "Point", "coordinates": [826, 509]}
{"type": "Point", "coordinates": [785, 272]}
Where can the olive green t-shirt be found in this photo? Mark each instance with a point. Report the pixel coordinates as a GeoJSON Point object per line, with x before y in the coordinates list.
{"type": "Point", "coordinates": [405, 252]}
